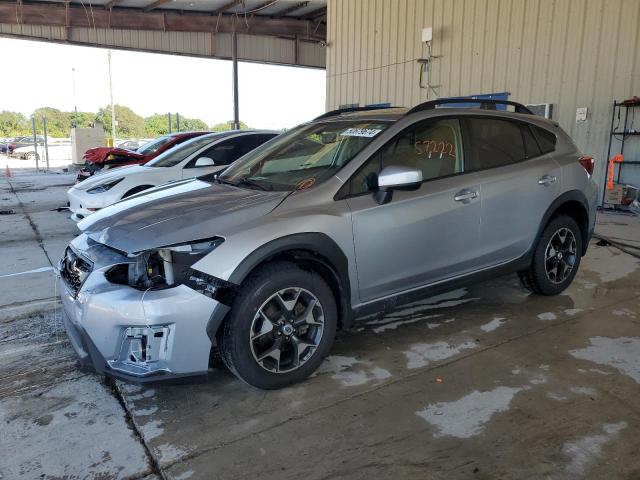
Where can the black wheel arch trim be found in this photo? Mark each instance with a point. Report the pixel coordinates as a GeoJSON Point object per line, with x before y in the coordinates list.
{"type": "Point", "coordinates": [569, 196]}
{"type": "Point", "coordinates": [313, 246]}
{"type": "Point", "coordinates": [137, 189]}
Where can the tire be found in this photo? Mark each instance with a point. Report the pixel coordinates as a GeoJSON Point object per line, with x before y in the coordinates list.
{"type": "Point", "coordinates": [135, 190]}
{"type": "Point", "coordinates": [32, 156]}
{"type": "Point", "coordinates": [555, 261]}
{"type": "Point", "coordinates": [252, 330]}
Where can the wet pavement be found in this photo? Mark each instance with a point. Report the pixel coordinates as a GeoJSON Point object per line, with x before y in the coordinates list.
{"type": "Point", "coordinates": [483, 382]}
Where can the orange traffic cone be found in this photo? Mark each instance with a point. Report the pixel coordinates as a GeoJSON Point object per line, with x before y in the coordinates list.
{"type": "Point", "coordinates": [7, 172]}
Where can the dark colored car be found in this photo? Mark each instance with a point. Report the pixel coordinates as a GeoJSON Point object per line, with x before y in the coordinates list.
{"type": "Point", "coordinates": [95, 159]}
{"type": "Point", "coordinates": [131, 145]}
{"type": "Point", "coordinates": [9, 147]}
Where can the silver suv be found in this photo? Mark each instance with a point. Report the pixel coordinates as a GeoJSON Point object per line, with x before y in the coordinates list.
{"type": "Point", "coordinates": [357, 211]}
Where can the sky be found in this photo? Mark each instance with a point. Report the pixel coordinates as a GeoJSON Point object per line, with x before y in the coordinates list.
{"type": "Point", "coordinates": [270, 96]}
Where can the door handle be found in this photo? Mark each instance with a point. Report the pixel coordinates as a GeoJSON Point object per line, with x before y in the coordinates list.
{"type": "Point", "coordinates": [546, 180]}
{"type": "Point", "coordinates": [465, 196]}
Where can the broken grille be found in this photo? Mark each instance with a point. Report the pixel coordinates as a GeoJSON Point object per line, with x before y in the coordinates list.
{"type": "Point", "coordinates": [75, 270]}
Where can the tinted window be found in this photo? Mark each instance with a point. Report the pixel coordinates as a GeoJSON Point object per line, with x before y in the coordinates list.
{"type": "Point", "coordinates": [547, 140]}
{"type": "Point", "coordinates": [178, 153]}
{"type": "Point", "coordinates": [435, 147]}
{"type": "Point", "coordinates": [154, 145]}
{"type": "Point", "coordinates": [230, 150]}
{"type": "Point", "coordinates": [530, 145]}
{"type": "Point", "coordinates": [250, 142]}
{"type": "Point", "coordinates": [495, 143]}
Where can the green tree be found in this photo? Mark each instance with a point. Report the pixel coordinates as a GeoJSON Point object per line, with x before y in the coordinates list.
{"type": "Point", "coordinates": [58, 122]}
{"type": "Point", "coordinates": [85, 119]}
{"type": "Point", "coordinates": [223, 127]}
{"type": "Point", "coordinates": [130, 124]}
{"type": "Point", "coordinates": [192, 124]}
{"type": "Point", "coordinates": [13, 124]}
{"type": "Point", "coordinates": [158, 124]}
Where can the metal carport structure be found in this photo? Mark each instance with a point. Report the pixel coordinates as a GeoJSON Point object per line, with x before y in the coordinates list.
{"type": "Point", "coordinates": [282, 32]}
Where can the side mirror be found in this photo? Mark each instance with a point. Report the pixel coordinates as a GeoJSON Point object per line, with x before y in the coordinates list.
{"type": "Point", "coordinates": [396, 177]}
{"type": "Point", "coordinates": [205, 162]}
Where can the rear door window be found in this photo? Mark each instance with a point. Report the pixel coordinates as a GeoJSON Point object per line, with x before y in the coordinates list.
{"type": "Point", "coordinates": [494, 143]}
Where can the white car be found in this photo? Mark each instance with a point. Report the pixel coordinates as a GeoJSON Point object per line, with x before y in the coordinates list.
{"type": "Point", "coordinates": [199, 156]}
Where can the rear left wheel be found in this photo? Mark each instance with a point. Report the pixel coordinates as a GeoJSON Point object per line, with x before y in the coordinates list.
{"type": "Point", "coordinates": [281, 326]}
{"type": "Point", "coordinates": [32, 156]}
{"type": "Point", "coordinates": [556, 257]}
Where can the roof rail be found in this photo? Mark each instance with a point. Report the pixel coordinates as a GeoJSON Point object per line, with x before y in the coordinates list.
{"type": "Point", "coordinates": [340, 111]}
{"type": "Point", "coordinates": [485, 103]}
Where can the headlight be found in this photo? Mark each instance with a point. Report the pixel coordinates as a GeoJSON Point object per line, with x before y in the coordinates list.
{"type": "Point", "coordinates": [197, 246]}
{"type": "Point", "coordinates": [104, 186]}
{"type": "Point", "coordinates": [166, 266]}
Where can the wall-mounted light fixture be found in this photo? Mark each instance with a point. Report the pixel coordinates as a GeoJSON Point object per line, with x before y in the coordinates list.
{"type": "Point", "coordinates": [425, 63]}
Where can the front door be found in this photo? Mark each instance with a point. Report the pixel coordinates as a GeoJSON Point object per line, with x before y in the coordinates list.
{"type": "Point", "coordinates": [422, 236]}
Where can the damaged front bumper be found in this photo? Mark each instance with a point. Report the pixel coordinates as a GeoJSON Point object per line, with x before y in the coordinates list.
{"type": "Point", "coordinates": [131, 334]}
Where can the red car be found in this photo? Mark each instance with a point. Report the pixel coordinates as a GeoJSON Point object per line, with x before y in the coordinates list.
{"type": "Point", "coordinates": [95, 159]}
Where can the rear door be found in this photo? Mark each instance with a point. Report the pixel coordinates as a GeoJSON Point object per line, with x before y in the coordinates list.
{"type": "Point", "coordinates": [519, 181]}
{"type": "Point", "coordinates": [421, 236]}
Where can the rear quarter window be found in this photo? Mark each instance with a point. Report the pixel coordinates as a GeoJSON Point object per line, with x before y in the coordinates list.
{"type": "Point", "coordinates": [546, 139]}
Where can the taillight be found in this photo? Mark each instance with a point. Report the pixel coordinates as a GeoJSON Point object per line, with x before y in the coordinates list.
{"type": "Point", "coordinates": [588, 163]}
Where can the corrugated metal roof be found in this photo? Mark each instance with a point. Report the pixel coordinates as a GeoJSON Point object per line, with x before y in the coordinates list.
{"type": "Point", "coordinates": [284, 32]}
{"type": "Point", "coordinates": [258, 7]}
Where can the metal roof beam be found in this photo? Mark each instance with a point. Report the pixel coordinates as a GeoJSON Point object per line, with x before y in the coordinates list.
{"type": "Point", "coordinates": [110, 4]}
{"type": "Point", "coordinates": [60, 15]}
{"type": "Point", "coordinates": [317, 13]}
{"type": "Point", "coordinates": [155, 4]}
{"type": "Point", "coordinates": [290, 9]}
{"type": "Point", "coordinates": [227, 6]}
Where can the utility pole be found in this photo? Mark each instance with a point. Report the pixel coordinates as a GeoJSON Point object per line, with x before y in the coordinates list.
{"type": "Point", "coordinates": [169, 117]}
{"type": "Point", "coordinates": [177, 122]}
{"type": "Point", "coordinates": [113, 111]}
{"type": "Point", "coordinates": [75, 103]}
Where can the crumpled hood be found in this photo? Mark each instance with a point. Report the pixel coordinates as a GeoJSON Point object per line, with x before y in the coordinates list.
{"type": "Point", "coordinates": [177, 213]}
{"type": "Point", "coordinates": [100, 154]}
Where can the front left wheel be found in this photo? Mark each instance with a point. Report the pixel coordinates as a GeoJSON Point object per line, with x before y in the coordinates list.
{"type": "Point", "coordinates": [281, 326]}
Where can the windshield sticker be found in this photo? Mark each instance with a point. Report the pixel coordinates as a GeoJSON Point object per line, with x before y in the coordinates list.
{"type": "Point", "coordinates": [307, 183]}
{"type": "Point", "coordinates": [361, 132]}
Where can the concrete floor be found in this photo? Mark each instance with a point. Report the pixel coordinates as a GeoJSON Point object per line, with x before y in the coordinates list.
{"type": "Point", "coordinates": [485, 382]}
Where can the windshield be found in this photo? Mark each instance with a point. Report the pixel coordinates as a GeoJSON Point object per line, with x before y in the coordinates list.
{"type": "Point", "coordinates": [303, 157]}
{"type": "Point", "coordinates": [154, 145]}
{"type": "Point", "coordinates": [178, 153]}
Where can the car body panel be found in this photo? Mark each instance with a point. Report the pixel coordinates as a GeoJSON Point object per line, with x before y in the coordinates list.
{"type": "Point", "coordinates": [419, 237]}
{"type": "Point", "coordinates": [177, 312]}
{"type": "Point", "coordinates": [190, 211]}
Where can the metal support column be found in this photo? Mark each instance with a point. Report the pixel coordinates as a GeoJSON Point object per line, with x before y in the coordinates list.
{"type": "Point", "coordinates": [113, 108]}
{"type": "Point", "coordinates": [234, 58]}
{"type": "Point", "coordinates": [35, 140]}
{"type": "Point", "coordinates": [46, 144]}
